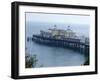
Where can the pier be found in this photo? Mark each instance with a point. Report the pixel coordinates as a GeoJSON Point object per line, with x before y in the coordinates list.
{"type": "Point", "coordinates": [69, 43]}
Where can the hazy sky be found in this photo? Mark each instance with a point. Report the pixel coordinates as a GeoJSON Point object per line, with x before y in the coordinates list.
{"type": "Point", "coordinates": [57, 18]}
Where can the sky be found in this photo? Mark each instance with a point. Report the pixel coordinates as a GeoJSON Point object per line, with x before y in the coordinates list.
{"type": "Point", "coordinates": [57, 18]}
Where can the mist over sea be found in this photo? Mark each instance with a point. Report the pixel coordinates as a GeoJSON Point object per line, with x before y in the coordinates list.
{"type": "Point", "coordinates": [35, 27]}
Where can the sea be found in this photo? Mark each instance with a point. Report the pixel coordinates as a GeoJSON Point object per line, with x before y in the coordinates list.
{"type": "Point", "coordinates": [48, 56]}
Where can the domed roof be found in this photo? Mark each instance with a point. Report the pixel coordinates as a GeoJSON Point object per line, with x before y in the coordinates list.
{"type": "Point", "coordinates": [69, 30]}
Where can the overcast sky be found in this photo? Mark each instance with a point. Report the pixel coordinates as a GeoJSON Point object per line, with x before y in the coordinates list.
{"type": "Point", "coordinates": [57, 18]}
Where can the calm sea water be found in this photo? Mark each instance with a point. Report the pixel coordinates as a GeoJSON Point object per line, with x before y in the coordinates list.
{"type": "Point", "coordinates": [53, 56]}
